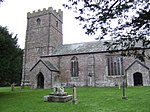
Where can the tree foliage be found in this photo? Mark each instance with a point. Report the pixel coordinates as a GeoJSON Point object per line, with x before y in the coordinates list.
{"type": "Point", "coordinates": [1, 1]}
{"type": "Point", "coordinates": [10, 58]}
{"type": "Point", "coordinates": [127, 22]}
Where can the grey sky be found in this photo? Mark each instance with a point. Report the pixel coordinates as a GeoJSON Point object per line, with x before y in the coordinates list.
{"type": "Point", "coordinates": [13, 15]}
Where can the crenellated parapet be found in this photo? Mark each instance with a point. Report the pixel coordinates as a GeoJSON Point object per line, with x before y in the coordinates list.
{"type": "Point", "coordinates": [45, 11]}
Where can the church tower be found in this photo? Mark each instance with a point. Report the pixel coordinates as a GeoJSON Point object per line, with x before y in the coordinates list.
{"type": "Point", "coordinates": [43, 35]}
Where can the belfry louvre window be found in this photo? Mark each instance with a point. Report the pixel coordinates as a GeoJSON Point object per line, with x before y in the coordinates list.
{"type": "Point", "coordinates": [38, 21]}
{"type": "Point", "coordinates": [74, 67]}
{"type": "Point", "coordinates": [115, 65]}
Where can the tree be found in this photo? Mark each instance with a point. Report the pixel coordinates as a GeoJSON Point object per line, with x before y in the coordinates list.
{"type": "Point", "coordinates": [1, 1]}
{"type": "Point", "coordinates": [10, 58]}
{"type": "Point", "coordinates": [127, 22]}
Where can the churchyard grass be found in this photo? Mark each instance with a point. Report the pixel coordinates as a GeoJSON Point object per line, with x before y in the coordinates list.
{"type": "Point", "coordinates": [90, 99]}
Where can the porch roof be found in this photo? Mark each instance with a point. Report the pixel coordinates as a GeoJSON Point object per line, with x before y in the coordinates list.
{"type": "Point", "coordinates": [48, 64]}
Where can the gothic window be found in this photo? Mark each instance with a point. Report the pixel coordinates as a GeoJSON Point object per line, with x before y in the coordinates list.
{"type": "Point", "coordinates": [74, 67]}
{"type": "Point", "coordinates": [38, 21]}
{"type": "Point", "coordinates": [115, 65]}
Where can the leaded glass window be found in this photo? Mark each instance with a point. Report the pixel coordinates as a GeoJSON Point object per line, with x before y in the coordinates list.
{"type": "Point", "coordinates": [115, 65]}
{"type": "Point", "coordinates": [74, 67]}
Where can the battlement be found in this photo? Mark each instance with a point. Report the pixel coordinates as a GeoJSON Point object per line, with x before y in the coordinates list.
{"type": "Point", "coordinates": [50, 10]}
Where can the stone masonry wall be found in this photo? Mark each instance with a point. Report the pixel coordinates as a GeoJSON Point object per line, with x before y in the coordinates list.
{"type": "Point", "coordinates": [41, 38]}
{"type": "Point", "coordinates": [101, 77]}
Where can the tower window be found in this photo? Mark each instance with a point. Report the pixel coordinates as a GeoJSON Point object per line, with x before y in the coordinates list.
{"type": "Point", "coordinates": [56, 23]}
{"type": "Point", "coordinates": [38, 21]}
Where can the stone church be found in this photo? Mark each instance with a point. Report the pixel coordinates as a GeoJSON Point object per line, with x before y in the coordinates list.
{"type": "Point", "coordinates": [47, 62]}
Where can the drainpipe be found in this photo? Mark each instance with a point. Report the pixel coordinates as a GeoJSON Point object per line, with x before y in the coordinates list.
{"type": "Point", "coordinates": [48, 52]}
{"type": "Point", "coordinates": [60, 80]}
{"type": "Point", "coordinates": [94, 71]}
{"type": "Point", "coordinates": [149, 73]}
{"type": "Point", "coordinates": [51, 80]}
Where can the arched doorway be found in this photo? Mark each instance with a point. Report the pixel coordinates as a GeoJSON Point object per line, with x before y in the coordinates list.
{"type": "Point", "coordinates": [138, 79]}
{"type": "Point", "coordinates": [40, 80]}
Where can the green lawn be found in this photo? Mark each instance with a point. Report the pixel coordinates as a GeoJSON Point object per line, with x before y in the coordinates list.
{"type": "Point", "coordinates": [89, 100]}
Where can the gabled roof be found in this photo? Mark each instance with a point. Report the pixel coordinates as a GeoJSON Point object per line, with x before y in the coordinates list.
{"type": "Point", "coordinates": [84, 48]}
{"type": "Point", "coordinates": [137, 61]}
{"type": "Point", "coordinates": [77, 48]}
{"type": "Point", "coordinates": [47, 64]}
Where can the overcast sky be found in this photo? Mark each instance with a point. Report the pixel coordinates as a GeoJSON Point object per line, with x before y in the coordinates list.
{"type": "Point", "coordinates": [13, 14]}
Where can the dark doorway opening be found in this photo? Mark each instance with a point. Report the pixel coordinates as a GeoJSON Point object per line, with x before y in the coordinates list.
{"type": "Point", "coordinates": [40, 80]}
{"type": "Point", "coordinates": [138, 80]}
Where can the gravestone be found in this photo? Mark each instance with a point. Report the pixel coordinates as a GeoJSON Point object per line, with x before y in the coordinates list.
{"type": "Point", "coordinates": [74, 99]}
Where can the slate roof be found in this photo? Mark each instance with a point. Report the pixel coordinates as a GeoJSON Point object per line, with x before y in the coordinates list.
{"type": "Point", "coordinates": [79, 48]}
{"type": "Point", "coordinates": [51, 66]}
{"type": "Point", "coordinates": [47, 64]}
{"type": "Point", "coordinates": [136, 61]}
